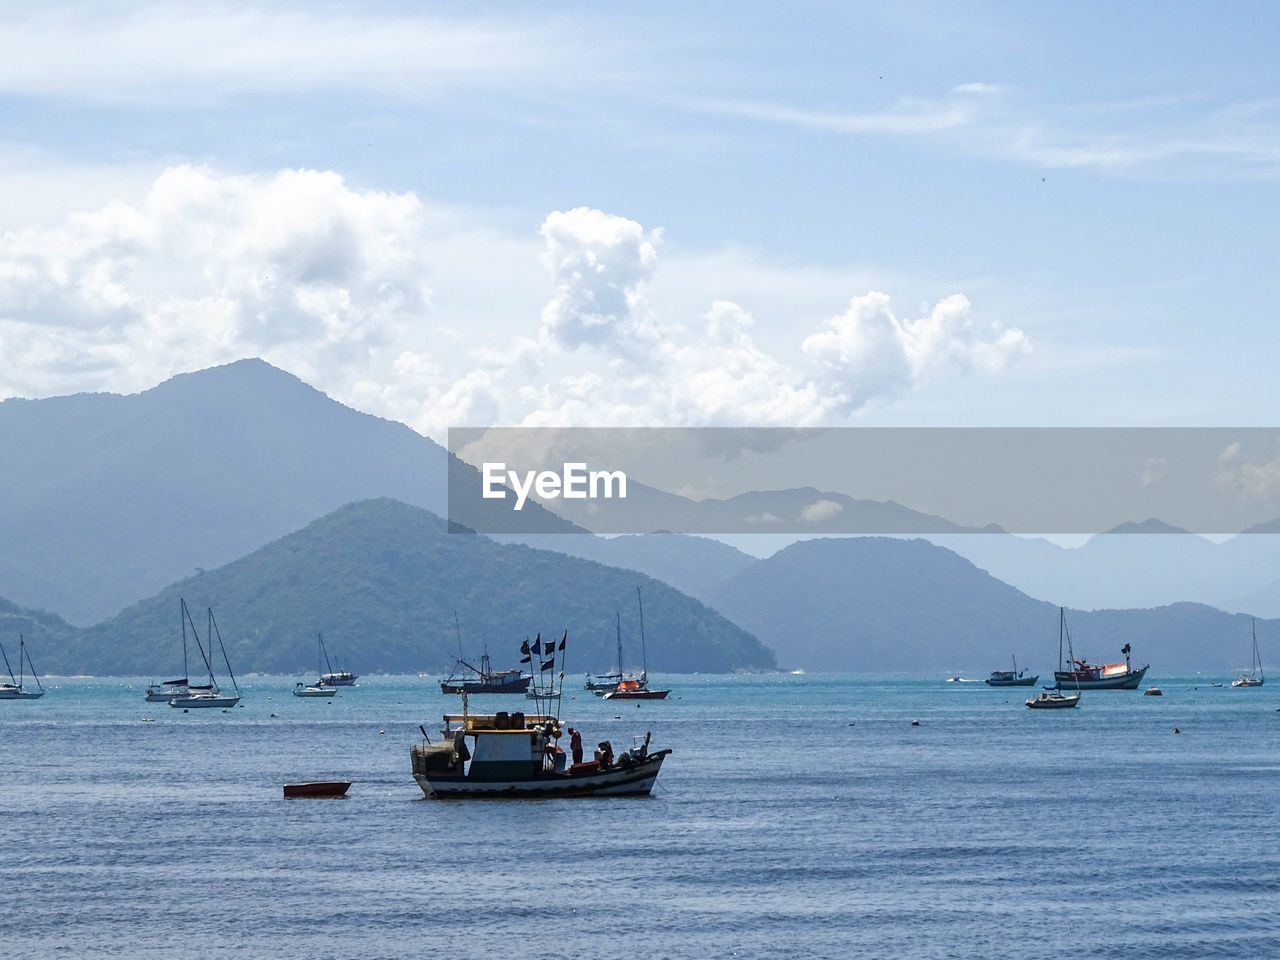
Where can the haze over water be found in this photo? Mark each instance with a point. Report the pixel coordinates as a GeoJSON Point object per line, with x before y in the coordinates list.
{"type": "Point", "coordinates": [799, 816]}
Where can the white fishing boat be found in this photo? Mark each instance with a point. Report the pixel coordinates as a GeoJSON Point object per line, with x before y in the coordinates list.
{"type": "Point", "coordinates": [1254, 677]}
{"type": "Point", "coordinates": [16, 688]}
{"type": "Point", "coordinates": [208, 694]}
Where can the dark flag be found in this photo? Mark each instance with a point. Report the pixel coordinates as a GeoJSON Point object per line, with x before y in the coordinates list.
{"type": "Point", "coordinates": [548, 664]}
{"type": "Point", "coordinates": [563, 639]}
{"type": "Point", "coordinates": [525, 659]}
{"type": "Point", "coordinates": [537, 644]}
{"type": "Point", "coordinates": [1125, 649]}
{"type": "Point", "coordinates": [524, 647]}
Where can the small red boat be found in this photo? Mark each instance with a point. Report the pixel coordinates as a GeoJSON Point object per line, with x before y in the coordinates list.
{"type": "Point", "coordinates": [317, 788]}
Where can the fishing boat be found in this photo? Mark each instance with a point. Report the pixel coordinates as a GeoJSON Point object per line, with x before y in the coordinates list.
{"type": "Point", "coordinates": [321, 687]}
{"type": "Point", "coordinates": [1254, 677]}
{"type": "Point", "coordinates": [331, 677]}
{"type": "Point", "coordinates": [1094, 676]}
{"type": "Point", "coordinates": [484, 679]}
{"type": "Point", "coordinates": [16, 689]}
{"type": "Point", "coordinates": [208, 694]}
{"type": "Point", "coordinates": [511, 755]}
{"type": "Point", "coordinates": [1011, 678]}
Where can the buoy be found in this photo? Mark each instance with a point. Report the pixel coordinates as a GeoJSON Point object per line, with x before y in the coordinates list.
{"type": "Point", "coordinates": [915, 723]}
{"type": "Point", "coordinates": [382, 731]}
{"type": "Point", "coordinates": [1176, 730]}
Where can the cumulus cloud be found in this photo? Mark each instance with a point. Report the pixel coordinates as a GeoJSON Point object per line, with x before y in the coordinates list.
{"type": "Point", "coordinates": [820, 511]}
{"type": "Point", "coordinates": [600, 266]}
{"type": "Point", "coordinates": [331, 283]}
{"type": "Point", "coordinates": [868, 353]}
{"type": "Point", "coordinates": [1246, 477]}
{"type": "Point", "coordinates": [297, 267]}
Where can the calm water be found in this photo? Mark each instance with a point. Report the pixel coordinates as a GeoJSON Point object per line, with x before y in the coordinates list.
{"type": "Point", "coordinates": [799, 816]}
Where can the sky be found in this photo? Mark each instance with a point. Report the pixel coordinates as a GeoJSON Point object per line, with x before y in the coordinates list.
{"type": "Point", "coordinates": [906, 214]}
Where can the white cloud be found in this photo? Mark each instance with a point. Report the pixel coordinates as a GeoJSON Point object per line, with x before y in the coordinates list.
{"type": "Point", "coordinates": [868, 353]}
{"type": "Point", "coordinates": [338, 285]}
{"type": "Point", "coordinates": [1246, 477]}
{"type": "Point", "coordinates": [297, 268]}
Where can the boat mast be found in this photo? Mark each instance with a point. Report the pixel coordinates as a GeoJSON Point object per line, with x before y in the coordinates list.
{"type": "Point", "coordinates": [184, 615]}
{"type": "Point", "coordinates": [617, 626]}
{"type": "Point", "coordinates": [23, 649]}
{"type": "Point", "coordinates": [214, 624]}
{"type": "Point", "coordinates": [325, 653]}
{"type": "Point", "coordinates": [1062, 622]}
{"type": "Point", "coordinates": [6, 665]}
{"type": "Point", "coordinates": [644, 655]}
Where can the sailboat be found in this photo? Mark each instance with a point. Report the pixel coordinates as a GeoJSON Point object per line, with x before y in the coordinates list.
{"type": "Point", "coordinates": [603, 683]}
{"type": "Point", "coordinates": [1056, 699]}
{"type": "Point", "coordinates": [321, 687]}
{"type": "Point", "coordinates": [331, 677]}
{"type": "Point", "coordinates": [1254, 677]}
{"type": "Point", "coordinates": [208, 695]}
{"type": "Point", "coordinates": [166, 691]}
{"type": "Point", "coordinates": [636, 689]}
{"type": "Point", "coordinates": [15, 689]}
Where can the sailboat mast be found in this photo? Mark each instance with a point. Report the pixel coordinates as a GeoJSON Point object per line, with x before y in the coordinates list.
{"type": "Point", "coordinates": [223, 648]}
{"type": "Point", "coordinates": [6, 664]}
{"type": "Point", "coordinates": [1061, 626]}
{"type": "Point", "coordinates": [617, 625]}
{"type": "Point", "coordinates": [644, 654]}
{"type": "Point", "coordinates": [22, 648]}
{"type": "Point", "coordinates": [183, 615]}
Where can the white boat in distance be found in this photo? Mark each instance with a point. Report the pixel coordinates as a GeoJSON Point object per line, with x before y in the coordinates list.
{"type": "Point", "coordinates": [1254, 677]}
{"type": "Point", "coordinates": [16, 688]}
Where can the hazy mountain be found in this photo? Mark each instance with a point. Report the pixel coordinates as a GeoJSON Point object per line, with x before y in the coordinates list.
{"type": "Point", "coordinates": [382, 580]}
{"type": "Point", "coordinates": [878, 603]}
{"type": "Point", "coordinates": [45, 633]}
{"type": "Point", "coordinates": [1136, 565]}
{"type": "Point", "coordinates": [693, 565]}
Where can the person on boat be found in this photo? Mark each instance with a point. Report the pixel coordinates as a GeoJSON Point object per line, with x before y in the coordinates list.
{"type": "Point", "coordinates": [575, 744]}
{"type": "Point", "coordinates": [604, 753]}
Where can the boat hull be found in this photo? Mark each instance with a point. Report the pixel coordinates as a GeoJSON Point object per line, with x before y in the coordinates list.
{"type": "Point", "coordinates": [319, 788]}
{"type": "Point", "coordinates": [1247, 682]}
{"type": "Point", "coordinates": [636, 695]}
{"type": "Point", "coordinates": [480, 686]}
{"type": "Point", "coordinates": [621, 780]}
{"type": "Point", "coordinates": [1123, 681]}
{"type": "Point", "coordinates": [195, 702]}
{"type": "Point", "coordinates": [339, 679]}
{"type": "Point", "coordinates": [20, 695]}
{"type": "Point", "coordinates": [314, 692]}
{"type": "Point", "coordinates": [1016, 682]}
{"type": "Point", "coordinates": [1051, 702]}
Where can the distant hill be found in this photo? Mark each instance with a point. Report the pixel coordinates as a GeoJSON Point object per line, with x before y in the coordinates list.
{"type": "Point", "coordinates": [881, 604]}
{"type": "Point", "coordinates": [45, 633]}
{"type": "Point", "coordinates": [382, 580]}
{"type": "Point", "coordinates": [693, 565]}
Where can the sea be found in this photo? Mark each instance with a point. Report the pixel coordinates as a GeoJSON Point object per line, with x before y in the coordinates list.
{"type": "Point", "coordinates": [804, 816]}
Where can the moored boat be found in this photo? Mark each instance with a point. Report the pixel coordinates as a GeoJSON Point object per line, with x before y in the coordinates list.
{"type": "Point", "coordinates": [301, 689]}
{"type": "Point", "coordinates": [517, 756]}
{"type": "Point", "coordinates": [317, 788]}
{"type": "Point", "coordinates": [1011, 678]}
{"type": "Point", "coordinates": [484, 679]}
{"type": "Point", "coordinates": [16, 688]}
{"type": "Point", "coordinates": [1082, 675]}
{"type": "Point", "coordinates": [331, 677]}
{"type": "Point", "coordinates": [1254, 677]}
{"type": "Point", "coordinates": [1052, 700]}
{"type": "Point", "coordinates": [208, 694]}
{"type": "Point", "coordinates": [635, 690]}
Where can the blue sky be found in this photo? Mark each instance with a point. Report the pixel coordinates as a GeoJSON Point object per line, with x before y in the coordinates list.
{"type": "Point", "coordinates": [909, 213]}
